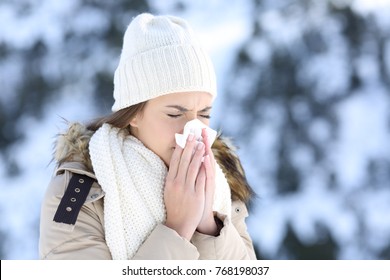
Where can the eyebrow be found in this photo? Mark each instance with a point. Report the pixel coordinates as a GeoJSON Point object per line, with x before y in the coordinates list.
{"type": "Point", "coordinates": [183, 109]}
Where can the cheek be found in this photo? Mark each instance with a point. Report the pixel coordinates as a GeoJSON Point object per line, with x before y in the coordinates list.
{"type": "Point", "coordinates": [171, 127]}
{"type": "Point", "coordinates": [163, 137]}
{"type": "Point", "coordinates": [168, 142]}
{"type": "Point", "coordinates": [162, 132]}
{"type": "Point", "coordinates": [205, 121]}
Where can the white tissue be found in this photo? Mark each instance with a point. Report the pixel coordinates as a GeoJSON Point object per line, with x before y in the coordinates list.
{"type": "Point", "coordinates": [195, 127]}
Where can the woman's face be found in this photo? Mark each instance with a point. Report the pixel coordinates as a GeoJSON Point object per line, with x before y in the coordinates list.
{"type": "Point", "coordinates": [166, 115]}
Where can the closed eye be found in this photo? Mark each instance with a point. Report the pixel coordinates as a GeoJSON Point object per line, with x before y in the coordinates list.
{"type": "Point", "coordinates": [206, 116]}
{"type": "Point", "coordinates": [174, 115]}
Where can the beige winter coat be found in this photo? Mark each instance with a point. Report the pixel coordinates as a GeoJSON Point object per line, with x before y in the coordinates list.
{"type": "Point", "coordinates": [86, 238]}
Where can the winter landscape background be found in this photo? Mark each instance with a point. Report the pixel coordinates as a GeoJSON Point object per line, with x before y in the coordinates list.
{"type": "Point", "coordinates": [304, 91]}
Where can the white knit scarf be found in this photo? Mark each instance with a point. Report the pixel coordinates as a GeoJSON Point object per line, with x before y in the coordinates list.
{"type": "Point", "coordinates": [133, 179]}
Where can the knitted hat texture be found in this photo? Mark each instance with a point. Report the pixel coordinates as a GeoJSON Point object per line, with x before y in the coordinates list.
{"type": "Point", "coordinates": [160, 55]}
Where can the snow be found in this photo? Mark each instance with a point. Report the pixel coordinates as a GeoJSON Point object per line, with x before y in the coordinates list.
{"type": "Point", "coordinates": [363, 134]}
{"type": "Point", "coordinates": [274, 25]}
{"type": "Point", "coordinates": [44, 20]}
{"type": "Point", "coordinates": [370, 5]}
{"type": "Point", "coordinates": [26, 192]}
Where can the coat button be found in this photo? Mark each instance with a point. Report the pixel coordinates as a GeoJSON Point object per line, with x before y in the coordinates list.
{"type": "Point", "coordinates": [77, 190]}
{"type": "Point", "coordinates": [73, 199]}
{"type": "Point", "coordinates": [68, 209]}
{"type": "Point", "coordinates": [81, 181]}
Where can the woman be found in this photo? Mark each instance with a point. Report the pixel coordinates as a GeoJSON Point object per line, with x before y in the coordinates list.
{"type": "Point", "coordinates": [123, 188]}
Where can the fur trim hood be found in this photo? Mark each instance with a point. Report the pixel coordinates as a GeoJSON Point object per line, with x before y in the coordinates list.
{"type": "Point", "coordinates": [72, 146]}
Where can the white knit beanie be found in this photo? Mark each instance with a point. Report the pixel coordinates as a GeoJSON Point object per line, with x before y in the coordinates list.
{"type": "Point", "coordinates": [160, 55]}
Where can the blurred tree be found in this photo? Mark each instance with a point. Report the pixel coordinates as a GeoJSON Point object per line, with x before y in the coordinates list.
{"type": "Point", "coordinates": [34, 86]}
{"type": "Point", "coordinates": [293, 248]}
{"type": "Point", "coordinates": [289, 80]}
{"type": "Point", "coordinates": [2, 242]}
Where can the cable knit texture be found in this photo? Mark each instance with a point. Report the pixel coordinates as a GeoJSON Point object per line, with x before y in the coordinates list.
{"type": "Point", "coordinates": [133, 178]}
{"type": "Point", "coordinates": [160, 55]}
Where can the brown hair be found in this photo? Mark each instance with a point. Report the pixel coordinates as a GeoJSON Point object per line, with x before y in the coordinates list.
{"type": "Point", "coordinates": [120, 119]}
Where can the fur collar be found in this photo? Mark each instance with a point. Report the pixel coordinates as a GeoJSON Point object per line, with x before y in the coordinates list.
{"type": "Point", "coordinates": [72, 146]}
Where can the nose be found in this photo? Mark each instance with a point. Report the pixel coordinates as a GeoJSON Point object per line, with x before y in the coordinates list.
{"type": "Point", "coordinates": [189, 116]}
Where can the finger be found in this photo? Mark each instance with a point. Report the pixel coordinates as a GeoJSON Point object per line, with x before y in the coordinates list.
{"type": "Point", "coordinates": [201, 181]}
{"type": "Point", "coordinates": [210, 174]}
{"type": "Point", "coordinates": [210, 181]}
{"type": "Point", "coordinates": [174, 163]}
{"type": "Point", "coordinates": [186, 157]}
{"type": "Point", "coordinates": [209, 151]}
{"type": "Point", "coordinates": [205, 137]}
{"type": "Point", "coordinates": [195, 164]}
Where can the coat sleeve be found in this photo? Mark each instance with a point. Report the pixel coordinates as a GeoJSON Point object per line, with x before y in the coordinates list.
{"type": "Point", "coordinates": [166, 244]}
{"type": "Point", "coordinates": [83, 240]}
{"type": "Point", "coordinates": [233, 242]}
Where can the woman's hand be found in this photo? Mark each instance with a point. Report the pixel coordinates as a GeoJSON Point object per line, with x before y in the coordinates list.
{"type": "Point", "coordinates": [207, 223]}
{"type": "Point", "coordinates": [184, 193]}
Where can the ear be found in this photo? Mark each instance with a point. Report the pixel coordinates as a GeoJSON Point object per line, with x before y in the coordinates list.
{"type": "Point", "coordinates": [134, 121]}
